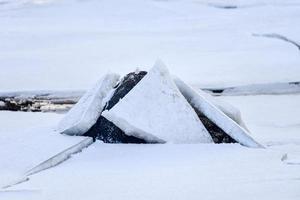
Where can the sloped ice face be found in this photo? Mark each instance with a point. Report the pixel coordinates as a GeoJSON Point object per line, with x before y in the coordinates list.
{"type": "Point", "coordinates": [105, 130]}
{"type": "Point", "coordinates": [86, 112]}
{"type": "Point", "coordinates": [228, 109]}
{"type": "Point", "coordinates": [155, 110]}
{"type": "Point", "coordinates": [229, 126]}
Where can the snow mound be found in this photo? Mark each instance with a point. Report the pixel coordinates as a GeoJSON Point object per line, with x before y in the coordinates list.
{"type": "Point", "coordinates": [155, 110]}
{"type": "Point", "coordinates": [86, 112]}
{"type": "Point", "coordinates": [216, 115]}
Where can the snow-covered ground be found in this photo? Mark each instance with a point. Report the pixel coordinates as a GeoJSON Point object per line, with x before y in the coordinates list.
{"type": "Point", "coordinates": [161, 171]}
{"type": "Point", "coordinates": [70, 44]}
{"type": "Point", "coordinates": [26, 139]}
{"type": "Point", "coordinates": [76, 41]}
{"type": "Point", "coordinates": [273, 120]}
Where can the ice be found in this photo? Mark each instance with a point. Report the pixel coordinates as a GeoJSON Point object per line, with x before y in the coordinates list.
{"type": "Point", "coordinates": [27, 139]}
{"type": "Point", "coordinates": [228, 109]}
{"type": "Point", "coordinates": [274, 88]}
{"type": "Point", "coordinates": [155, 109]}
{"type": "Point", "coordinates": [291, 158]}
{"type": "Point", "coordinates": [205, 45]}
{"type": "Point", "coordinates": [69, 44]}
{"type": "Point", "coordinates": [215, 115]}
{"type": "Point", "coordinates": [269, 121]}
{"type": "Point", "coordinates": [61, 157]}
{"type": "Point", "coordinates": [86, 112]}
{"type": "Point", "coordinates": [223, 171]}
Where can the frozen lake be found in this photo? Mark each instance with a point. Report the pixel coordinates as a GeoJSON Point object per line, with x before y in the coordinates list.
{"type": "Point", "coordinates": [119, 171]}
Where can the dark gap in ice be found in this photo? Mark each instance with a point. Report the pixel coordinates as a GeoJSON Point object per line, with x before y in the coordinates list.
{"type": "Point", "coordinates": [217, 91]}
{"type": "Point", "coordinates": [227, 7]}
{"type": "Point", "coordinates": [217, 134]}
{"type": "Point", "coordinates": [105, 130]}
{"type": "Point", "coordinates": [223, 6]}
{"type": "Point", "coordinates": [294, 83]}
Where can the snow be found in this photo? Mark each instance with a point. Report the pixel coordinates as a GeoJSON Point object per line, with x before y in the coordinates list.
{"type": "Point", "coordinates": [215, 115]}
{"type": "Point", "coordinates": [272, 119]}
{"type": "Point", "coordinates": [61, 157]}
{"type": "Point", "coordinates": [207, 46]}
{"type": "Point", "coordinates": [291, 159]}
{"type": "Point", "coordinates": [275, 88]}
{"type": "Point", "coordinates": [49, 163]}
{"type": "Point", "coordinates": [69, 44]}
{"type": "Point", "coordinates": [86, 112]}
{"type": "Point", "coordinates": [45, 94]}
{"type": "Point", "coordinates": [2, 104]}
{"type": "Point", "coordinates": [27, 139]}
{"type": "Point", "coordinates": [160, 171]}
{"type": "Point", "coordinates": [155, 110]}
{"type": "Point", "coordinates": [228, 109]}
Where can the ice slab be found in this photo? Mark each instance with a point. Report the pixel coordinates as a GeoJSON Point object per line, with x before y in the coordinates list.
{"type": "Point", "coordinates": [155, 110]}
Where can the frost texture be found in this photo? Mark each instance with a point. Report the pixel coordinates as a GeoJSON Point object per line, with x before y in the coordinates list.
{"type": "Point", "coordinates": [155, 110]}
{"type": "Point", "coordinates": [215, 115]}
{"type": "Point", "coordinates": [86, 112]}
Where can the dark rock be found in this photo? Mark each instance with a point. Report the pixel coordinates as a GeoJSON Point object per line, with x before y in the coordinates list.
{"type": "Point", "coordinates": [128, 82]}
{"type": "Point", "coordinates": [109, 133]}
{"type": "Point", "coordinates": [294, 83]}
{"type": "Point", "coordinates": [217, 134]}
{"type": "Point", "coordinates": [11, 106]}
{"type": "Point", "coordinates": [105, 130]}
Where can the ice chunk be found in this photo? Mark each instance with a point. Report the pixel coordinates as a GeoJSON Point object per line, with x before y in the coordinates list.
{"type": "Point", "coordinates": [216, 115]}
{"type": "Point", "coordinates": [86, 112]}
{"type": "Point", "coordinates": [155, 110]}
{"type": "Point", "coordinates": [61, 157]}
{"type": "Point", "coordinates": [105, 130]}
{"type": "Point", "coordinates": [228, 109]}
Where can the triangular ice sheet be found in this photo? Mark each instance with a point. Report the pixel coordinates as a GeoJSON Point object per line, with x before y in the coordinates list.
{"type": "Point", "coordinates": [155, 110]}
{"type": "Point", "coordinates": [86, 112]}
{"type": "Point", "coordinates": [231, 111]}
{"type": "Point", "coordinates": [229, 126]}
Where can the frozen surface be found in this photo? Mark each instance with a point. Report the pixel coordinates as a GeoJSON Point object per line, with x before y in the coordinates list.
{"type": "Point", "coordinates": [155, 110]}
{"type": "Point", "coordinates": [272, 119]}
{"type": "Point", "coordinates": [259, 89]}
{"type": "Point", "coordinates": [27, 139]}
{"type": "Point", "coordinates": [163, 171]}
{"type": "Point", "coordinates": [88, 109]}
{"type": "Point", "coordinates": [69, 44]}
{"type": "Point", "coordinates": [77, 41]}
{"type": "Point", "coordinates": [217, 116]}
{"type": "Point", "coordinates": [61, 156]}
{"type": "Point", "coordinates": [227, 108]}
